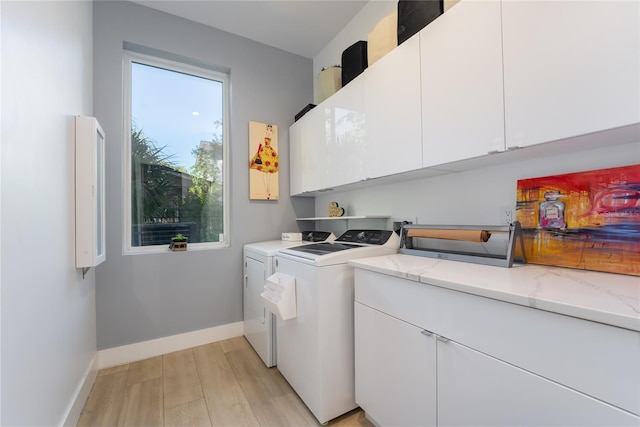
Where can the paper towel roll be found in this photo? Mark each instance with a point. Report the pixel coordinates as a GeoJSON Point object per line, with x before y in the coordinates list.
{"type": "Point", "coordinates": [466, 235]}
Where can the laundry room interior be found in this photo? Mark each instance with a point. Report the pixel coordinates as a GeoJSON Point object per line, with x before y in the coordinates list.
{"type": "Point", "coordinates": [332, 192]}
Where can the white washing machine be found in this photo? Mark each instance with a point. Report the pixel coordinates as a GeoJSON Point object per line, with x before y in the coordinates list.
{"type": "Point", "coordinates": [315, 348]}
{"type": "Point", "coordinates": [259, 263]}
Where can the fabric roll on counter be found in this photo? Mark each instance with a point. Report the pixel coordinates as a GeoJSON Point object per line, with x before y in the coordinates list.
{"type": "Point", "coordinates": [465, 235]}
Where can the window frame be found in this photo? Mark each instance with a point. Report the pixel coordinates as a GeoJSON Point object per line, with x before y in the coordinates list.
{"type": "Point", "coordinates": [130, 57]}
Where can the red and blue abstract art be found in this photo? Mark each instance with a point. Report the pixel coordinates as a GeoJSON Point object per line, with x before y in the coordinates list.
{"type": "Point", "coordinates": [585, 220]}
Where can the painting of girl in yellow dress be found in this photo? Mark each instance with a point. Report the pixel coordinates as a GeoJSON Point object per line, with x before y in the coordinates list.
{"type": "Point", "coordinates": [263, 165]}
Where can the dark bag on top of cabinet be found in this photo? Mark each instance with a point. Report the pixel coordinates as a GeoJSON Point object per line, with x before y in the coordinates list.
{"type": "Point", "coordinates": [354, 61]}
{"type": "Point", "coordinates": [414, 15]}
{"type": "Point", "coordinates": [304, 111]}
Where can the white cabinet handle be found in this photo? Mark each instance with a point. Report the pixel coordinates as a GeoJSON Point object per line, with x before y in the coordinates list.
{"type": "Point", "coordinates": [427, 333]}
{"type": "Point", "coordinates": [443, 339]}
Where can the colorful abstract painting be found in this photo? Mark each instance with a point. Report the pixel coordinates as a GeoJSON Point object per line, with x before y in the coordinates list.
{"type": "Point", "coordinates": [585, 220]}
{"type": "Point", "coordinates": [263, 161]}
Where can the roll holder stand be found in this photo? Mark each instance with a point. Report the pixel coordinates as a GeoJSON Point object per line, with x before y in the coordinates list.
{"type": "Point", "coordinates": [480, 256]}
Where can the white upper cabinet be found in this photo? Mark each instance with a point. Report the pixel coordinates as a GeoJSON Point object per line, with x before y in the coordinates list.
{"type": "Point", "coordinates": [485, 77]}
{"type": "Point", "coordinates": [570, 68]}
{"type": "Point", "coordinates": [296, 152]}
{"type": "Point", "coordinates": [344, 120]}
{"type": "Point", "coordinates": [308, 153]}
{"type": "Point", "coordinates": [327, 144]}
{"type": "Point", "coordinates": [392, 111]}
{"type": "Point", "coordinates": [462, 97]}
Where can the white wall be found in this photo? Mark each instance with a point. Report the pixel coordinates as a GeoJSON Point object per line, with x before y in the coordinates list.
{"type": "Point", "coordinates": [48, 309]}
{"type": "Point", "coordinates": [357, 29]}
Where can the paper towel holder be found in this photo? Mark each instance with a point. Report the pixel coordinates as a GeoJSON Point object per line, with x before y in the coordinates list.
{"type": "Point", "coordinates": [280, 295]}
{"type": "Point", "coordinates": [502, 254]}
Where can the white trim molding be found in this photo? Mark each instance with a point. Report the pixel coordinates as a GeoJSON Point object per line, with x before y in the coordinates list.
{"type": "Point", "coordinates": [74, 410]}
{"type": "Point", "coordinates": [115, 356]}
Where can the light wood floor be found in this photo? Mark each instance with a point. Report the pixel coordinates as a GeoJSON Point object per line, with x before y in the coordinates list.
{"type": "Point", "coordinates": [219, 384]}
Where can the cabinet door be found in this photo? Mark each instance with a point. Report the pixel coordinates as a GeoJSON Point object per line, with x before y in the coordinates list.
{"type": "Point", "coordinates": [570, 68]}
{"type": "Point", "coordinates": [393, 112]}
{"type": "Point", "coordinates": [344, 120]}
{"type": "Point", "coordinates": [395, 370]}
{"type": "Point", "coordinates": [308, 153]}
{"type": "Point", "coordinates": [495, 393]}
{"type": "Point", "coordinates": [296, 159]}
{"type": "Point", "coordinates": [462, 96]}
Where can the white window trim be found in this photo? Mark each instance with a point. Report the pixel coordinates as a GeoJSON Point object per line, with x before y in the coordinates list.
{"type": "Point", "coordinates": [129, 56]}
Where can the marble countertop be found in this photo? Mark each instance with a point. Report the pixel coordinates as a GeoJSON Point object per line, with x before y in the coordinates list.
{"type": "Point", "coordinates": [612, 299]}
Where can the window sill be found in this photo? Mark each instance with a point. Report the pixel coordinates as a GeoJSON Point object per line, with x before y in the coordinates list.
{"type": "Point", "coordinates": [161, 249]}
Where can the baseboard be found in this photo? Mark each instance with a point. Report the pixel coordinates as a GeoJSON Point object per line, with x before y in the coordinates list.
{"type": "Point", "coordinates": [72, 414]}
{"type": "Point", "coordinates": [115, 356]}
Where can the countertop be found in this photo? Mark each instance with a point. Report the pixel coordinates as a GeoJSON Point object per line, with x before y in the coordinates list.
{"type": "Point", "coordinates": [612, 299]}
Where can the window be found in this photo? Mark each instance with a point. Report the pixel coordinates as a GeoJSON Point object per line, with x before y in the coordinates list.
{"type": "Point", "coordinates": [176, 159]}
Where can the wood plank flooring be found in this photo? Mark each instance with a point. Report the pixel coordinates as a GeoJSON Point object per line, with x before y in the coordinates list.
{"type": "Point", "coordinates": [220, 384]}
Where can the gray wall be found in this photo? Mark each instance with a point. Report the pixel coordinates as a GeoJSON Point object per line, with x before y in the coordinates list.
{"type": "Point", "coordinates": [48, 309]}
{"type": "Point", "coordinates": [474, 197]}
{"type": "Point", "coordinates": [143, 297]}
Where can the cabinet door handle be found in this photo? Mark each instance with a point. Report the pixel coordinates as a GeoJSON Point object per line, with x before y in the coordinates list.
{"type": "Point", "coordinates": [427, 333]}
{"type": "Point", "coordinates": [245, 282]}
{"type": "Point", "coordinates": [443, 339]}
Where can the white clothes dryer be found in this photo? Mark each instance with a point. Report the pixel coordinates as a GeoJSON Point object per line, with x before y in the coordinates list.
{"type": "Point", "coordinates": [259, 263]}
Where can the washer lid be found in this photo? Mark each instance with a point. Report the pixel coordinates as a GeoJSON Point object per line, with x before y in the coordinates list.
{"type": "Point", "coordinates": [324, 248]}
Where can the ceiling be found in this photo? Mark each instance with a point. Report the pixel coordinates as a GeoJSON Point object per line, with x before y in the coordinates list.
{"type": "Point", "coordinates": [303, 27]}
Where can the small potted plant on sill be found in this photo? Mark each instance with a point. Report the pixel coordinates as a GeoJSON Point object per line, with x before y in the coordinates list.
{"type": "Point", "coordinates": [178, 243]}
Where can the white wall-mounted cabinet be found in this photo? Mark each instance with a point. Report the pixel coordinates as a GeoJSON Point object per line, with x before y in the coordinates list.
{"type": "Point", "coordinates": [89, 194]}
{"type": "Point", "coordinates": [570, 68]}
{"type": "Point", "coordinates": [461, 67]}
{"type": "Point", "coordinates": [490, 76]}
{"type": "Point", "coordinates": [344, 128]}
{"type": "Point", "coordinates": [307, 153]}
{"type": "Point", "coordinates": [450, 350]}
{"type": "Point", "coordinates": [368, 129]}
{"type": "Point", "coordinates": [393, 137]}
{"type": "Point", "coordinates": [327, 143]}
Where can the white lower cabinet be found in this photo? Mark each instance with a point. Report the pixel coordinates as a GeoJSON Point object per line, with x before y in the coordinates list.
{"type": "Point", "coordinates": [409, 373]}
{"type": "Point", "coordinates": [395, 369]}
{"type": "Point", "coordinates": [476, 389]}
